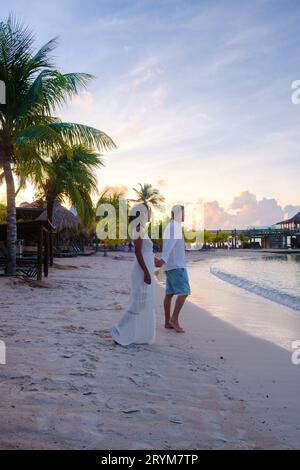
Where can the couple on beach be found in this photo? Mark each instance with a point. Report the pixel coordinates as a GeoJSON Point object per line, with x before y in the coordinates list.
{"type": "Point", "coordinates": [137, 325]}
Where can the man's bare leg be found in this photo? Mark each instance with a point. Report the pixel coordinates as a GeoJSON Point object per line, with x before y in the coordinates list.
{"type": "Point", "coordinates": [167, 307]}
{"type": "Point", "coordinates": [178, 306]}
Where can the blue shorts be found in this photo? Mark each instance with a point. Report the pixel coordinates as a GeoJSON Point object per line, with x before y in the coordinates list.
{"type": "Point", "coordinates": [177, 282]}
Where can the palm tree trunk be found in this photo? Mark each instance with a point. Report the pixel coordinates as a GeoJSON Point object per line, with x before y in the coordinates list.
{"type": "Point", "coordinates": [50, 208]}
{"type": "Point", "coordinates": [11, 218]}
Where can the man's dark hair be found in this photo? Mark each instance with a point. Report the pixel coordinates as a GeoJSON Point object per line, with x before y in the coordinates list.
{"type": "Point", "coordinates": [176, 209]}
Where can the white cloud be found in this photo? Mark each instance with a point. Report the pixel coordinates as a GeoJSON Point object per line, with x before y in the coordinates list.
{"type": "Point", "coordinates": [248, 211]}
{"type": "Point", "coordinates": [162, 183]}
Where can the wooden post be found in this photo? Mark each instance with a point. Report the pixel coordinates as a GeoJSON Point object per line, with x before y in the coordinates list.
{"type": "Point", "coordinates": [81, 244]}
{"type": "Point", "coordinates": [46, 253]}
{"type": "Point", "coordinates": [51, 248]}
{"type": "Point", "coordinates": [40, 254]}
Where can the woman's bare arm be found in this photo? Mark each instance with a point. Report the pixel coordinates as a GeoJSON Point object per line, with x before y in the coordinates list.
{"type": "Point", "coordinates": [138, 243]}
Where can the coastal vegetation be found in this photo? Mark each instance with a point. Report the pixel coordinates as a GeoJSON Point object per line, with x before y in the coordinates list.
{"type": "Point", "coordinates": [31, 133]}
{"type": "Point", "coordinates": [110, 225]}
{"type": "Point", "coordinates": [149, 195]}
{"type": "Point", "coordinates": [69, 174]}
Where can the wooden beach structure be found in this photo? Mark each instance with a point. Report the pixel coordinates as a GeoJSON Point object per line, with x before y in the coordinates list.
{"type": "Point", "coordinates": [282, 235]}
{"type": "Point", "coordinates": [292, 224]}
{"type": "Point", "coordinates": [39, 240]}
{"type": "Point", "coordinates": [291, 227]}
{"type": "Point", "coordinates": [67, 240]}
{"type": "Point", "coordinates": [33, 249]}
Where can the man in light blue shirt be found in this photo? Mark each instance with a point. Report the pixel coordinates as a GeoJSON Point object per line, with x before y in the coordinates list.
{"type": "Point", "coordinates": [174, 265]}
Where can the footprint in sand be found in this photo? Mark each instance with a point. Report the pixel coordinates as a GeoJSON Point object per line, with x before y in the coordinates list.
{"type": "Point", "coordinates": [10, 333]}
{"type": "Point", "coordinates": [129, 411]}
{"type": "Point", "coordinates": [74, 329]}
{"type": "Point", "coordinates": [176, 419]}
{"type": "Point", "coordinates": [152, 373]}
{"type": "Point", "coordinates": [89, 374]}
{"type": "Point", "coordinates": [136, 381]}
{"type": "Point", "coordinates": [149, 411]}
{"type": "Point", "coordinates": [114, 306]}
{"type": "Point", "coordinates": [123, 292]}
{"type": "Point", "coordinates": [93, 358]}
{"type": "Point", "coordinates": [88, 365]}
{"type": "Point", "coordinates": [102, 333]}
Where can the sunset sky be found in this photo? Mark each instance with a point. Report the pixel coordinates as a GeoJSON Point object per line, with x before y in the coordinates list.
{"type": "Point", "coordinates": [196, 94]}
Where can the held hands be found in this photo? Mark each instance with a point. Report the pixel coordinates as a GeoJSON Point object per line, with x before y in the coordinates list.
{"type": "Point", "coordinates": [147, 277]}
{"type": "Point", "coordinates": [158, 262]}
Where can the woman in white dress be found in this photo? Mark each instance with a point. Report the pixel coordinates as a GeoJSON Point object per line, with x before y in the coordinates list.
{"type": "Point", "coordinates": [137, 325]}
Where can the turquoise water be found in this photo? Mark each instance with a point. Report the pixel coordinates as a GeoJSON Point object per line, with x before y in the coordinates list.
{"type": "Point", "coordinates": [276, 277]}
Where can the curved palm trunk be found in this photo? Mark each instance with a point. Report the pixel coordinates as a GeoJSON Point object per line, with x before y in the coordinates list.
{"type": "Point", "coordinates": [11, 218]}
{"type": "Point", "coordinates": [50, 208]}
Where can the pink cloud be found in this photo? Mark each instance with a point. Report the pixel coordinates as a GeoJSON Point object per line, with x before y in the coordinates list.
{"type": "Point", "coordinates": [84, 101]}
{"type": "Point", "coordinates": [158, 96]}
{"type": "Point", "coordinates": [111, 190]}
{"type": "Point", "coordinates": [246, 210]}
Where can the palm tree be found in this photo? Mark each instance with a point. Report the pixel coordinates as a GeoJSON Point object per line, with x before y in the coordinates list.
{"type": "Point", "coordinates": [70, 174]}
{"type": "Point", "coordinates": [108, 197]}
{"type": "Point", "coordinates": [29, 129]}
{"type": "Point", "coordinates": [220, 238]}
{"type": "Point", "coordinates": [113, 219]}
{"type": "Point", "coordinates": [149, 195]}
{"type": "Point", "coordinates": [208, 237]}
{"type": "Point", "coordinates": [243, 239]}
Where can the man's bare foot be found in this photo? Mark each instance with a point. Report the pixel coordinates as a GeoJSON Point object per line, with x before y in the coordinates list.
{"type": "Point", "coordinates": [176, 327]}
{"type": "Point", "coordinates": [168, 326]}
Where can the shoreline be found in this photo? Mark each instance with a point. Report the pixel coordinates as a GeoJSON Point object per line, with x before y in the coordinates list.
{"type": "Point", "coordinates": [256, 314]}
{"type": "Point", "coordinates": [65, 386]}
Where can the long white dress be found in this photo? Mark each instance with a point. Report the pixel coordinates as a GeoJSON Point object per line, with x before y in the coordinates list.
{"type": "Point", "coordinates": [137, 324]}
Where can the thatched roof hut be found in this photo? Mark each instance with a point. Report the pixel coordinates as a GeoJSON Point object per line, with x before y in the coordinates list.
{"type": "Point", "coordinates": [65, 222]}
{"type": "Point", "coordinates": [28, 211]}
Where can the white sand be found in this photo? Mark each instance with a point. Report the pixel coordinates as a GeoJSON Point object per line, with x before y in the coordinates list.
{"type": "Point", "coordinates": [65, 386]}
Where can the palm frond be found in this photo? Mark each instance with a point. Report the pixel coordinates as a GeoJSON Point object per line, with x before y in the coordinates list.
{"type": "Point", "coordinates": [16, 42]}
{"type": "Point", "coordinates": [74, 134]}
{"type": "Point", "coordinates": [44, 137]}
{"type": "Point", "coordinates": [149, 195]}
{"type": "Point", "coordinates": [52, 89]}
{"type": "Point", "coordinates": [41, 57]}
